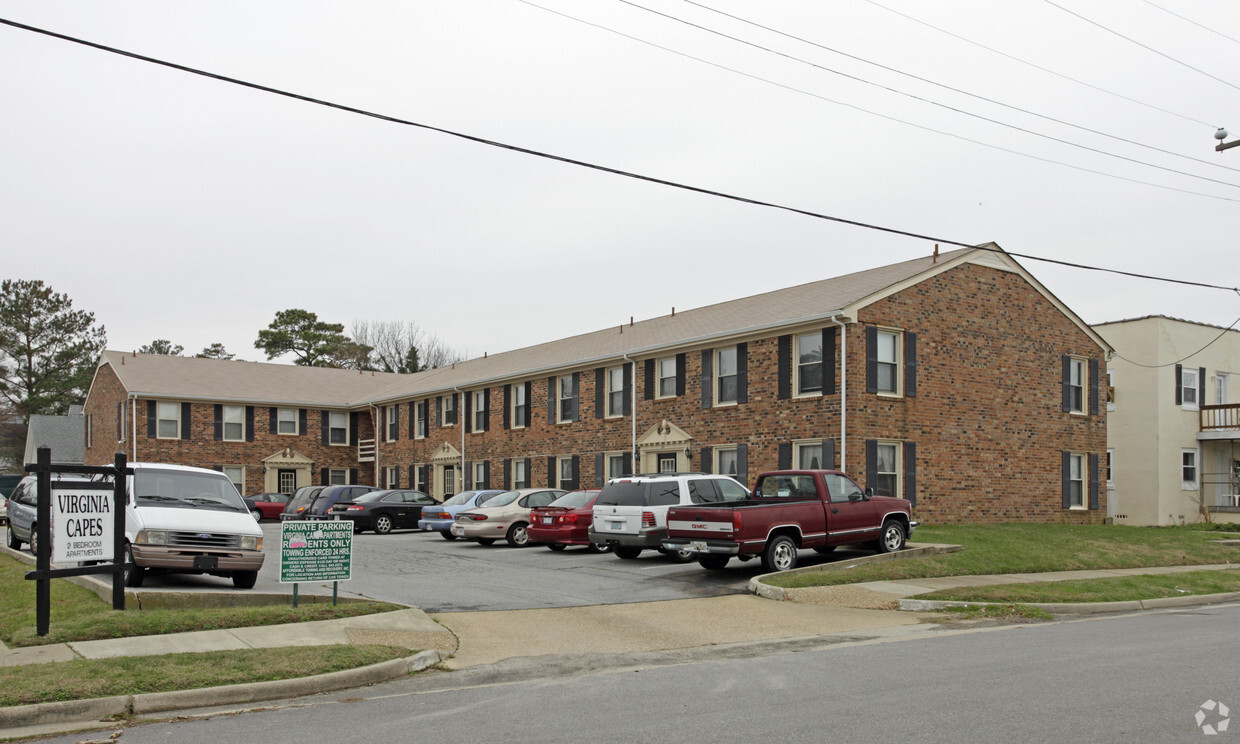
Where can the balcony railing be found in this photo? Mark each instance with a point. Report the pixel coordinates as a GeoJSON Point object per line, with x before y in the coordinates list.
{"type": "Point", "coordinates": [1216, 418]}
{"type": "Point", "coordinates": [365, 450]}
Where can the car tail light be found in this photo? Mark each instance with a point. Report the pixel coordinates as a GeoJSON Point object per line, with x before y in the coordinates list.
{"type": "Point", "coordinates": [353, 508]}
{"type": "Point", "coordinates": [475, 517]}
{"type": "Point", "coordinates": [736, 521]}
{"type": "Point", "coordinates": [443, 515]}
{"type": "Point", "coordinates": [648, 519]}
{"type": "Point", "coordinates": [567, 519]}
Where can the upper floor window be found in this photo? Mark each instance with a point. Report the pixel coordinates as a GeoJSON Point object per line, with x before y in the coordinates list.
{"type": "Point", "coordinates": [419, 431]}
{"type": "Point", "coordinates": [338, 427]}
{"type": "Point", "coordinates": [168, 424]}
{"type": "Point", "coordinates": [520, 406]}
{"type": "Point", "coordinates": [667, 377]}
{"type": "Point", "coordinates": [287, 418]}
{"type": "Point", "coordinates": [809, 364]}
{"type": "Point", "coordinates": [234, 423]}
{"type": "Point", "coordinates": [615, 391]}
{"type": "Point", "coordinates": [727, 378]}
{"type": "Point", "coordinates": [449, 410]}
{"type": "Point", "coordinates": [1076, 385]}
{"type": "Point", "coordinates": [1220, 389]}
{"type": "Point", "coordinates": [566, 397]}
{"type": "Point", "coordinates": [888, 362]}
{"type": "Point", "coordinates": [480, 410]}
{"type": "Point", "coordinates": [393, 422]}
{"type": "Point", "coordinates": [1188, 388]}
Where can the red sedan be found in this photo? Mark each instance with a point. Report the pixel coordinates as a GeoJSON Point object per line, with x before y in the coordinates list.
{"type": "Point", "coordinates": [565, 521]}
{"type": "Point", "coordinates": [267, 505]}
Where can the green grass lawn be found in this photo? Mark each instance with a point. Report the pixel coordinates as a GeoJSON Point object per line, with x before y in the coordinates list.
{"type": "Point", "coordinates": [1028, 548]}
{"type": "Point", "coordinates": [1149, 586]}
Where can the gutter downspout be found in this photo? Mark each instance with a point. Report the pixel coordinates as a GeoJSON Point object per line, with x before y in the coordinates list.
{"type": "Point", "coordinates": [133, 424]}
{"type": "Point", "coordinates": [460, 420]}
{"type": "Point", "coordinates": [379, 426]}
{"type": "Point", "coordinates": [633, 393]}
{"type": "Point", "coordinates": [843, 392]}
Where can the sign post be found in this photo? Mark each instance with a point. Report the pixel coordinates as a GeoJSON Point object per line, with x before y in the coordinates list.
{"type": "Point", "coordinates": [316, 551]}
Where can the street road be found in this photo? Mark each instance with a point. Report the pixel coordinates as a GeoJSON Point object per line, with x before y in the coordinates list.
{"type": "Point", "coordinates": [1142, 677]}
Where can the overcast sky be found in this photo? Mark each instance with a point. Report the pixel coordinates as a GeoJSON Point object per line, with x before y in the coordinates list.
{"type": "Point", "coordinates": [180, 207]}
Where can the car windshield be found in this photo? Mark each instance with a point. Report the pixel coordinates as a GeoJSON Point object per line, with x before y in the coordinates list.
{"type": "Point", "coordinates": [500, 499]}
{"type": "Point", "coordinates": [573, 500]}
{"type": "Point", "coordinates": [187, 489]}
{"type": "Point", "coordinates": [460, 498]}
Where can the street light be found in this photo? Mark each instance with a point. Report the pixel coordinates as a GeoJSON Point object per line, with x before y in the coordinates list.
{"type": "Point", "coordinates": [1221, 135]}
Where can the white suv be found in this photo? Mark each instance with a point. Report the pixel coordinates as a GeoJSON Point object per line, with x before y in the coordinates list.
{"type": "Point", "coordinates": [630, 513]}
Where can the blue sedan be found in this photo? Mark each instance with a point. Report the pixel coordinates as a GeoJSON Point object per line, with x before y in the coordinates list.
{"type": "Point", "coordinates": [441, 518]}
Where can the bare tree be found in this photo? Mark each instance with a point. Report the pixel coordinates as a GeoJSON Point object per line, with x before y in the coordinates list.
{"type": "Point", "coordinates": [402, 346]}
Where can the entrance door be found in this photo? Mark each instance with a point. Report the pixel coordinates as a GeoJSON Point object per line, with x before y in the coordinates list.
{"type": "Point", "coordinates": [667, 462]}
{"type": "Point", "coordinates": [445, 481]}
{"type": "Point", "coordinates": [287, 482]}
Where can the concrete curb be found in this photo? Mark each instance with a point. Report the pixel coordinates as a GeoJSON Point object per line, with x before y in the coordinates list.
{"type": "Point", "coordinates": [1083, 608]}
{"type": "Point", "coordinates": [767, 591]}
{"type": "Point", "coordinates": [99, 709]}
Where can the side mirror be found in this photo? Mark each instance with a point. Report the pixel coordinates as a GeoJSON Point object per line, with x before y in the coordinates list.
{"type": "Point", "coordinates": [869, 491]}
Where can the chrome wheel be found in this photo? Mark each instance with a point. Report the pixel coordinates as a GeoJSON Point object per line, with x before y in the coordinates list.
{"type": "Point", "coordinates": [517, 536]}
{"type": "Point", "coordinates": [892, 538]}
{"type": "Point", "coordinates": [383, 524]}
{"type": "Point", "coordinates": [780, 554]}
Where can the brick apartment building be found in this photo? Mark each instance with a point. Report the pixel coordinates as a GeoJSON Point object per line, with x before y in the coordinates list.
{"type": "Point", "coordinates": [956, 381]}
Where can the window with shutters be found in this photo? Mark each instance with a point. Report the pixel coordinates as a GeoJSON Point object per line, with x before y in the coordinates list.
{"type": "Point", "coordinates": [287, 421]}
{"type": "Point", "coordinates": [887, 353]}
{"type": "Point", "coordinates": [726, 461]}
{"type": "Point", "coordinates": [564, 469]}
{"type": "Point", "coordinates": [520, 474]}
{"type": "Point", "coordinates": [808, 455]}
{"type": "Point", "coordinates": [727, 377]}
{"type": "Point", "coordinates": [615, 392]}
{"type": "Point", "coordinates": [1188, 389]}
{"type": "Point", "coordinates": [236, 474]}
{"type": "Point", "coordinates": [392, 423]}
{"type": "Point", "coordinates": [479, 410]}
{"type": "Point", "coordinates": [338, 428]}
{"type": "Point", "coordinates": [337, 477]}
{"type": "Point", "coordinates": [566, 399]}
{"type": "Point", "coordinates": [520, 406]}
{"type": "Point", "coordinates": [1076, 385]}
{"type": "Point", "coordinates": [809, 364]}
{"type": "Point", "coordinates": [480, 474]}
{"type": "Point", "coordinates": [234, 423]}
{"type": "Point", "coordinates": [392, 478]}
{"type": "Point", "coordinates": [615, 465]}
{"type": "Point", "coordinates": [419, 478]}
{"type": "Point", "coordinates": [667, 377]}
{"type": "Point", "coordinates": [887, 470]}
{"type": "Point", "coordinates": [1076, 481]}
{"type": "Point", "coordinates": [449, 411]}
{"type": "Point", "coordinates": [168, 420]}
{"type": "Point", "coordinates": [419, 431]}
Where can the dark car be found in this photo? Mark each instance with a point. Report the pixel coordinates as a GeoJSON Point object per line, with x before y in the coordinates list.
{"type": "Point", "coordinates": [383, 511]}
{"type": "Point", "coordinates": [266, 505]}
{"type": "Point", "coordinates": [566, 521]}
{"type": "Point", "coordinates": [300, 502]}
{"type": "Point", "coordinates": [322, 503]}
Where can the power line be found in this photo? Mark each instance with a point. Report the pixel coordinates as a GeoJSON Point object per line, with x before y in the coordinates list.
{"type": "Point", "coordinates": [1037, 66]}
{"type": "Point", "coordinates": [1143, 46]}
{"type": "Point", "coordinates": [1182, 359]}
{"type": "Point", "coordinates": [585, 164]}
{"type": "Point", "coordinates": [958, 90]}
{"type": "Point", "coordinates": [923, 99]}
{"type": "Point", "coordinates": [1186, 19]}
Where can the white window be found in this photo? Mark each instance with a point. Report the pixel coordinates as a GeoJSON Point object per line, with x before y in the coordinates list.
{"type": "Point", "coordinates": [449, 411]}
{"type": "Point", "coordinates": [887, 470]}
{"type": "Point", "coordinates": [287, 418]}
{"type": "Point", "coordinates": [808, 456]}
{"type": "Point", "coordinates": [1220, 389]}
{"type": "Point", "coordinates": [565, 468]}
{"type": "Point", "coordinates": [1076, 481]}
{"type": "Point", "coordinates": [567, 400]}
{"type": "Point", "coordinates": [726, 461]}
{"type": "Point", "coordinates": [615, 465]}
{"type": "Point", "coordinates": [337, 477]}
{"type": "Point", "coordinates": [392, 477]}
{"type": "Point", "coordinates": [1110, 390]}
{"type": "Point", "coordinates": [520, 475]}
{"type": "Point", "coordinates": [338, 427]}
{"type": "Point", "coordinates": [288, 483]}
{"type": "Point", "coordinates": [1188, 389]}
{"type": "Point", "coordinates": [234, 423]}
{"type": "Point", "coordinates": [727, 379]}
{"type": "Point", "coordinates": [809, 364]}
{"type": "Point", "coordinates": [480, 474]}
{"type": "Point", "coordinates": [420, 414]}
{"type": "Point", "coordinates": [1110, 462]}
{"type": "Point", "coordinates": [887, 369]}
{"type": "Point", "coordinates": [480, 410]}
{"type": "Point", "coordinates": [419, 478]}
{"type": "Point", "coordinates": [168, 425]}
{"type": "Point", "coordinates": [236, 474]}
{"type": "Point", "coordinates": [393, 430]}
{"type": "Point", "coordinates": [1188, 469]}
{"type": "Point", "coordinates": [667, 377]}
{"type": "Point", "coordinates": [1076, 385]}
{"type": "Point", "coordinates": [615, 391]}
{"type": "Point", "coordinates": [520, 406]}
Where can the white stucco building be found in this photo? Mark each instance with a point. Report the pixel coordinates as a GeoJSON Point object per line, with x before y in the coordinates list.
{"type": "Point", "coordinates": [1173, 434]}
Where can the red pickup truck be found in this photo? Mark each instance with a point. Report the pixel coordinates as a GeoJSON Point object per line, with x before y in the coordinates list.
{"type": "Point", "coordinates": [790, 509]}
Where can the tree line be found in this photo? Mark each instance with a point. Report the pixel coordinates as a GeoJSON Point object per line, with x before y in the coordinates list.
{"type": "Point", "coordinates": [49, 350]}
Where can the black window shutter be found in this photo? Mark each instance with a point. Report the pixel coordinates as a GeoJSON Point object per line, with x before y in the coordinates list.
{"type": "Point", "coordinates": [648, 383]}
{"type": "Point", "coordinates": [325, 427]}
{"type": "Point", "coordinates": [1065, 471]}
{"type": "Point", "coordinates": [1066, 383]}
{"type": "Point", "coordinates": [424, 476]}
{"type": "Point", "coordinates": [413, 422]}
{"type": "Point", "coordinates": [302, 418]}
{"type": "Point", "coordinates": [910, 365]}
{"type": "Point", "coordinates": [600, 382]}
{"type": "Point", "coordinates": [910, 472]}
{"type": "Point", "coordinates": [120, 416]}
{"type": "Point", "coordinates": [828, 361]}
{"type": "Point", "coordinates": [469, 475]}
{"type": "Point", "coordinates": [469, 412]}
{"type": "Point", "coordinates": [742, 464]}
{"type": "Point", "coordinates": [438, 411]}
{"type": "Point", "coordinates": [627, 463]}
{"type": "Point", "coordinates": [706, 466]}
{"type": "Point", "coordinates": [273, 420]}
{"type": "Point", "coordinates": [383, 478]}
{"type": "Point", "coordinates": [507, 473]}
{"type": "Point", "coordinates": [1201, 386]}
{"type": "Point", "coordinates": [550, 471]}
{"type": "Point", "coordinates": [325, 476]}
{"type": "Point", "coordinates": [576, 472]}
{"type": "Point", "coordinates": [413, 476]}
{"type": "Point", "coordinates": [486, 473]}
{"type": "Point", "coordinates": [1093, 387]}
{"type": "Point", "coordinates": [249, 423]}
{"type": "Point", "coordinates": [352, 475]}
{"type": "Point", "coordinates": [529, 402]}
{"type": "Point", "coordinates": [681, 359]}
{"type": "Point", "coordinates": [551, 395]}
{"type": "Point", "coordinates": [576, 396]}
{"type": "Point", "coordinates": [871, 359]}
{"type": "Point", "coordinates": [784, 368]}
{"type": "Point", "coordinates": [707, 384]}
{"type": "Point", "coordinates": [1179, 380]}
{"type": "Point", "coordinates": [486, 408]}
{"type": "Point", "coordinates": [507, 415]}
{"type": "Point", "coordinates": [828, 454]}
{"type": "Point", "coordinates": [1093, 481]}
{"type": "Point", "coordinates": [627, 406]}
{"type": "Point", "coordinates": [529, 474]}
{"type": "Point", "coordinates": [742, 373]}
{"type": "Point", "coordinates": [353, 426]}
{"type": "Point", "coordinates": [598, 470]}
{"type": "Point", "coordinates": [150, 418]}
{"type": "Point", "coordinates": [785, 456]}
{"type": "Point", "coordinates": [396, 478]}
{"type": "Point", "coordinates": [219, 422]}
{"type": "Point", "coordinates": [396, 421]}
{"type": "Point", "coordinates": [871, 462]}
{"type": "Point", "coordinates": [185, 420]}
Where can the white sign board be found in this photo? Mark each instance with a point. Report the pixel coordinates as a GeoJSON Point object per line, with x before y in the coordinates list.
{"type": "Point", "coordinates": [82, 525]}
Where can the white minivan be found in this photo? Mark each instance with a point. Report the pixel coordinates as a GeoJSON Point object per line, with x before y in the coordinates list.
{"type": "Point", "coordinates": [178, 520]}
